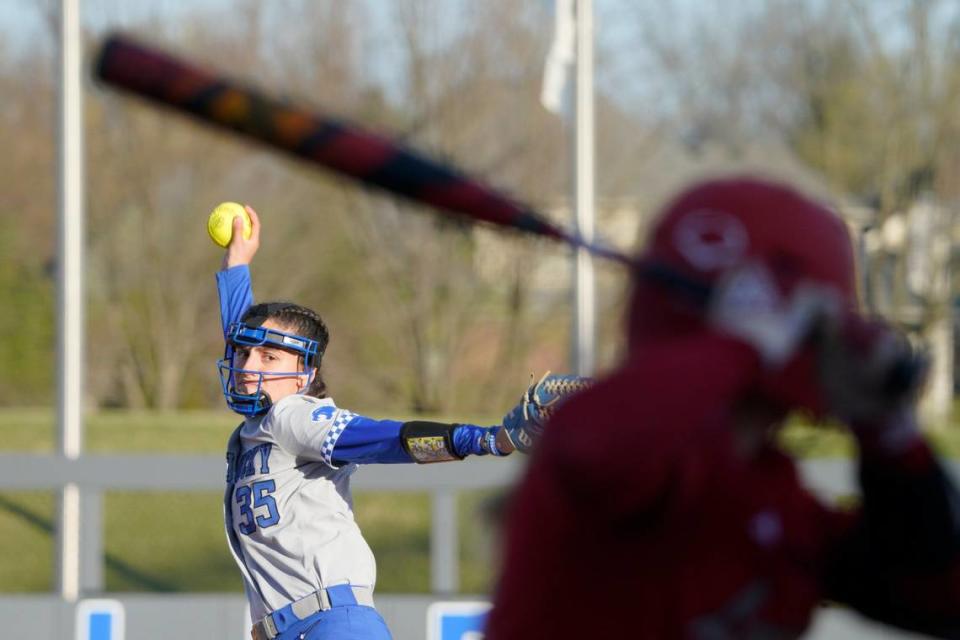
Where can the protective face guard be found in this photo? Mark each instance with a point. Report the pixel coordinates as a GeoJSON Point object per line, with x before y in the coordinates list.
{"type": "Point", "coordinates": [239, 334]}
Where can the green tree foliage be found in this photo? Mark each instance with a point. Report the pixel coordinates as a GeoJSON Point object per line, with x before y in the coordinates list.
{"type": "Point", "coordinates": [830, 133]}
{"type": "Point", "coordinates": [878, 105]}
{"type": "Point", "coordinates": [27, 236]}
{"type": "Point", "coordinates": [26, 327]}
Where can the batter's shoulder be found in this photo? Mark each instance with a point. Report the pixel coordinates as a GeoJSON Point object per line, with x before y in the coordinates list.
{"type": "Point", "coordinates": [662, 397]}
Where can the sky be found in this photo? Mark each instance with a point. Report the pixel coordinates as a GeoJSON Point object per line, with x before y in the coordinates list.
{"type": "Point", "coordinates": [620, 75]}
{"type": "Point", "coordinates": [24, 25]}
{"type": "Point", "coordinates": [23, 21]}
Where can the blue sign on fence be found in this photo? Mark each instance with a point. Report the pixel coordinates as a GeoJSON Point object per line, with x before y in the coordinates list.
{"type": "Point", "coordinates": [99, 620]}
{"type": "Point", "coordinates": [456, 620]}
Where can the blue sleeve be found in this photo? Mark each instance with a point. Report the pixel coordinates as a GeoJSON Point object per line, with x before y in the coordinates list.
{"type": "Point", "coordinates": [236, 294]}
{"type": "Point", "coordinates": [365, 440]}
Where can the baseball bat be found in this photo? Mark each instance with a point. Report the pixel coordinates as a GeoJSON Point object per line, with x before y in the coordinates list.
{"type": "Point", "coordinates": [342, 147]}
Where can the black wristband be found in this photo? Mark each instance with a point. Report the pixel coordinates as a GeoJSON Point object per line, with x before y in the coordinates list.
{"type": "Point", "coordinates": [427, 442]}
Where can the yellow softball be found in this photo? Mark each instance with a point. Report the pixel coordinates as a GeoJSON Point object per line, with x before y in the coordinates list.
{"type": "Point", "coordinates": [220, 222]}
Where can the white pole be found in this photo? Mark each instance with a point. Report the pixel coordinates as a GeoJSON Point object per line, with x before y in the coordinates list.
{"type": "Point", "coordinates": [70, 290]}
{"type": "Point", "coordinates": [584, 281]}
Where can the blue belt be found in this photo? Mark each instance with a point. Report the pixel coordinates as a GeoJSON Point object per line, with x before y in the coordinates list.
{"type": "Point", "coordinates": [341, 595]}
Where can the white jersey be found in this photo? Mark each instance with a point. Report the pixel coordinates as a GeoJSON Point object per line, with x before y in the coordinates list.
{"type": "Point", "coordinates": [288, 510]}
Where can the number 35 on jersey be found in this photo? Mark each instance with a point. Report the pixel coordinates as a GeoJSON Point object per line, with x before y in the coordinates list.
{"type": "Point", "coordinates": [255, 502]}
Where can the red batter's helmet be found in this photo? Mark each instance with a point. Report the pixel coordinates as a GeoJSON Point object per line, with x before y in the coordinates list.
{"type": "Point", "coordinates": [720, 225]}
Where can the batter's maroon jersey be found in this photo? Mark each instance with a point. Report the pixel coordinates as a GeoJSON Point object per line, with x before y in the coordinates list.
{"type": "Point", "coordinates": [638, 519]}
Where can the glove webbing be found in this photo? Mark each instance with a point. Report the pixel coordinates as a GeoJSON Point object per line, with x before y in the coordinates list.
{"type": "Point", "coordinates": [557, 388]}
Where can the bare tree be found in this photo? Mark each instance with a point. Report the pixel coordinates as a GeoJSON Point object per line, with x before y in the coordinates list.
{"type": "Point", "coordinates": [468, 94]}
{"type": "Point", "coordinates": [427, 313]}
{"type": "Point", "coordinates": [873, 113]}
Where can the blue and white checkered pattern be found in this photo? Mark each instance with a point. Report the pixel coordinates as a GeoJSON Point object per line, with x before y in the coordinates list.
{"type": "Point", "coordinates": [339, 424]}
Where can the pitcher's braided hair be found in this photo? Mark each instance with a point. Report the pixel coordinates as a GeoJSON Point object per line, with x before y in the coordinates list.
{"type": "Point", "coordinates": [301, 321]}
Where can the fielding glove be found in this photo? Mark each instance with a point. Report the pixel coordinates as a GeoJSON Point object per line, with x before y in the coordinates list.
{"type": "Point", "coordinates": [524, 423]}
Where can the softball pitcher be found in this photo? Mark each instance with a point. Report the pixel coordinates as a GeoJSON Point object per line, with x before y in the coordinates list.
{"type": "Point", "coordinates": [308, 572]}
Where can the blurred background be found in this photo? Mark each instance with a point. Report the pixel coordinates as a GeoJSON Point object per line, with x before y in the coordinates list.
{"type": "Point", "coordinates": [856, 101]}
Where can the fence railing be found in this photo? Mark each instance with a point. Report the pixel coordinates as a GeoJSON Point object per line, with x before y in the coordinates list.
{"type": "Point", "coordinates": [221, 616]}
{"type": "Point", "coordinates": [95, 474]}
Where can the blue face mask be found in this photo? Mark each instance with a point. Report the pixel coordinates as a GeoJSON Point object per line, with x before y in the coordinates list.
{"type": "Point", "coordinates": [239, 334]}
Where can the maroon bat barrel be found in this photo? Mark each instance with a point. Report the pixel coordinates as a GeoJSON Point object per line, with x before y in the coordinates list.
{"type": "Point", "coordinates": [337, 145]}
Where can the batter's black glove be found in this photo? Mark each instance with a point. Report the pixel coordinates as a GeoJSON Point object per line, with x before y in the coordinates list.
{"type": "Point", "coordinates": [868, 369]}
{"type": "Point", "coordinates": [524, 423]}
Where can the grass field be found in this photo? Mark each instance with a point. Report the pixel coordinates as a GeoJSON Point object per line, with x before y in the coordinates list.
{"type": "Point", "coordinates": [175, 541]}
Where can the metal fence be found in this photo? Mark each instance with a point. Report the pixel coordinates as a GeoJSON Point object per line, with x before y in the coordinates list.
{"type": "Point", "coordinates": [220, 616]}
